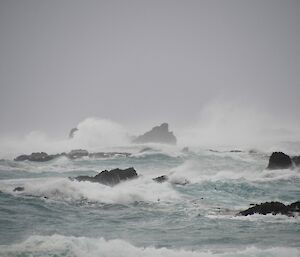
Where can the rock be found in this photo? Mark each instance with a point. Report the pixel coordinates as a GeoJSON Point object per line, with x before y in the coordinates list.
{"type": "Point", "coordinates": [19, 189]}
{"type": "Point", "coordinates": [72, 132]}
{"type": "Point", "coordinates": [158, 134]}
{"type": "Point", "coordinates": [36, 157]}
{"type": "Point", "coordinates": [279, 160]}
{"type": "Point", "coordinates": [112, 177]}
{"type": "Point", "coordinates": [273, 208]}
{"type": "Point", "coordinates": [161, 179]}
{"type": "Point", "coordinates": [78, 153]}
{"type": "Point", "coordinates": [296, 160]}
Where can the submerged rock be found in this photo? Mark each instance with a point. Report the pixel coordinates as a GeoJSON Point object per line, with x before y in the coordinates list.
{"type": "Point", "coordinates": [161, 179]}
{"type": "Point", "coordinates": [273, 208]}
{"type": "Point", "coordinates": [111, 177]}
{"type": "Point", "coordinates": [165, 178]}
{"type": "Point", "coordinates": [158, 134]}
{"type": "Point", "coordinates": [279, 160]}
{"type": "Point", "coordinates": [36, 157]}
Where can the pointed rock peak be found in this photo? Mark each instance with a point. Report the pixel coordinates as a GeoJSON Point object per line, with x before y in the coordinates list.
{"type": "Point", "coordinates": [158, 134]}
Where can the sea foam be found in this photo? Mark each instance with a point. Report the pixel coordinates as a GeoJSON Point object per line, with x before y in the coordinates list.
{"type": "Point", "coordinates": [58, 245]}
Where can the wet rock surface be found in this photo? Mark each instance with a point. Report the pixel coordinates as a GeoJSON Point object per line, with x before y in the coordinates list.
{"type": "Point", "coordinates": [111, 178]}
{"type": "Point", "coordinates": [273, 208]}
{"type": "Point", "coordinates": [279, 160]}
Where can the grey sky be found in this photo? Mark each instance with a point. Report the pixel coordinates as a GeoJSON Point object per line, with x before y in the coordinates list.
{"type": "Point", "coordinates": [137, 61]}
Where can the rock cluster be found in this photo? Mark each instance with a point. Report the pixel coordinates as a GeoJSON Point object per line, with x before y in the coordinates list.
{"type": "Point", "coordinates": [280, 160]}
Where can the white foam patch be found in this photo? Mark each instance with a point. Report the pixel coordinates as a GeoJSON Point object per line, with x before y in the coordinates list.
{"type": "Point", "coordinates": [269, 218]}
{"type": "Point", "coordinates": [57, 245]}
{"type": "Point", "coordinates": [141, 189]}
{"type": "Point", "coordinates": [193, 171]}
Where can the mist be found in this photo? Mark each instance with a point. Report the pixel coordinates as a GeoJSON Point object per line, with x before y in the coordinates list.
{"type": "Point", "coordinates": [219, 72]}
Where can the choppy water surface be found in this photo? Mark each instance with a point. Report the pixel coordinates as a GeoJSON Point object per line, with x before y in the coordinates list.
{"type": "Point", "coordinates": [55, 216]}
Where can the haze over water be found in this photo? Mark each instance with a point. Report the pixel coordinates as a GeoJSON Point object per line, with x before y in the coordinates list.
{"type": "Point", "coordinates": [223, 74]}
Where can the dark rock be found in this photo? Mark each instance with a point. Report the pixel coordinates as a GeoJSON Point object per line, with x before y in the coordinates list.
{"type": "Point", "coordinates": [273, 208]}
{"type": "Point", "coordinates": [78, 153]}
{"type": "Point", "coordinates": [296, 160]}
{"type": "Point", "coordinates": [161, 179]}
{"type": "Point", "coordinates": [294, 207]}
{"type": "Point", "coordinates": [19, 189]}
{"type": "Point", "coordinates": [36, 157]}
{"type": "Point", "coordinates": [158, 134]}
{"type": "Point", "coordinates": [72, 132]}
{"type": "Point", "coordinates": [279, 160]}
{"type": "Point", "coordinates": [111, 177]}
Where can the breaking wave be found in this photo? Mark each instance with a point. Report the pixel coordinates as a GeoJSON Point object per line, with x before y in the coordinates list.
{"type": "Point", "coordinates": [58, 245]}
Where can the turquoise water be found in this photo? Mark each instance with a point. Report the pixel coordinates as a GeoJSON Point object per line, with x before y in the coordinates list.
{"type": "Point", "coordinates": [55, 216]}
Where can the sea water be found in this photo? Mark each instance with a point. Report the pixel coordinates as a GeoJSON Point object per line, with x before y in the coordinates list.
{"type": "Point", "coordinates": [56, 216]}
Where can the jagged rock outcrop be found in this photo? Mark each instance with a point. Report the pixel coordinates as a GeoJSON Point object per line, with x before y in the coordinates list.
{"type": "Point", "coordinates": [158, 134]}
{"type": "Point", "coordinates": [72, 132]}
{"type": "Point", "coordinates": [273, 208]}
{"type": "Point", "coordinates": [279, 160]}
{"type": "Point", "coordinates": [110, 178]}
{"type": "Point", "coordinates": [37, 157]}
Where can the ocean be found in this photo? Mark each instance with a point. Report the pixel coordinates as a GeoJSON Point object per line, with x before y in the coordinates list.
{"type": "Point", "coordinates": [55, 216]}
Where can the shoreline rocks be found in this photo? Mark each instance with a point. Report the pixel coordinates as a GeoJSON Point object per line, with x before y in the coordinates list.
{"type": "Point", "coordinates": [272, 208]}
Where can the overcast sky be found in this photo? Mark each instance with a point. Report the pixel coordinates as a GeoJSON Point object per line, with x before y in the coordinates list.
{"type": "Point", "coordinates": [136, 61]}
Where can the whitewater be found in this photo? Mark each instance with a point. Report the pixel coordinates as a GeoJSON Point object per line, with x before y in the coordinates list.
{"type": "Point", "coordinates": [55, 216]}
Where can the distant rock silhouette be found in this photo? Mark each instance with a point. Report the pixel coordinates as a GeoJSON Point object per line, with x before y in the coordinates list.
{"type": "Point", "coordinates": [279, 160]}
{"type": "Point", "coordinates": [273, 208]}
{"type": "Point", "coordinates": [158, 134]}
{"type": "Point", "coordinates": [111, 177]}
{"type": "Point", "coordinates": [77, 153]}
{"type": "Point", "coordinates": [37, 157]}
{"type": "Point", "coordinates": [74, 154]}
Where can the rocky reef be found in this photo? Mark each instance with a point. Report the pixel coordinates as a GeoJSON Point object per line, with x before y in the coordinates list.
{"type": "Point", "coordinates": [74, 154]}
{"type": "Point", "coordinates": [273, 208]}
